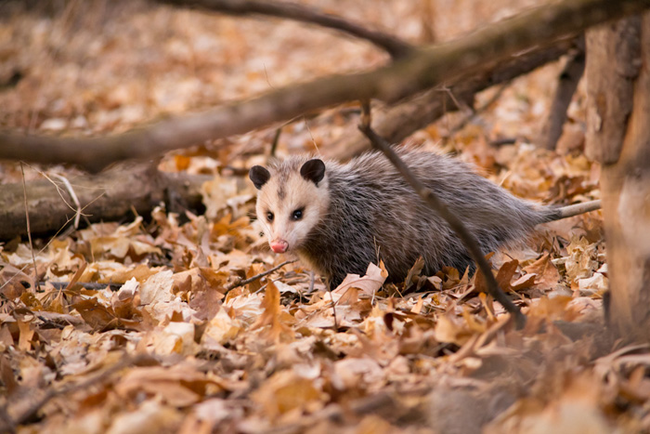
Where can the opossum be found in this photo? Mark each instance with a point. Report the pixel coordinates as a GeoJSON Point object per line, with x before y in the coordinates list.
{"type": "Point", "coordinates": [340, 217]}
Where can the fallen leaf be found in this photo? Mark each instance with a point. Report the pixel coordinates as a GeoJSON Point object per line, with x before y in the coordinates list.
{"type": "Point", "coordinates": [547, 274]}
{"type": "Point", "coordinates": [271, 319]}
{"type": "Point", "coordinates": [369, 284]}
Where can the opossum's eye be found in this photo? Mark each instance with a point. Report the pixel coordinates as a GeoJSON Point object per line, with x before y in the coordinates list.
{"type": "Point", "coordinates": [269, 216]}
{"type": "Point", "coordinates": [297, 214]}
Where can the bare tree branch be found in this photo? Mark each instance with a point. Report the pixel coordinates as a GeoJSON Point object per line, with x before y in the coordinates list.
{"type": "Point", "coordinates": [425, 69]}
{"type": "Point", "coordinates": [293, 11]}
{"type": "Point", "coordinates": [566, 87]}
{"type": "Point", "coordinates": [400, 121]}
{"type": "Point", "coordinates": [434, 202]}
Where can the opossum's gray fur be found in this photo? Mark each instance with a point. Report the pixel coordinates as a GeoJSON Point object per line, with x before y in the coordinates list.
{"type": "Point", "coordinates": [373, 214]}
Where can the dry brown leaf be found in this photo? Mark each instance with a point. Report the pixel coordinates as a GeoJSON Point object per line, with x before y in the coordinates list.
{"type": "Point", "coordinates": [451, 330]}
{"type": "Point", "coordinates": [272, 319]}
{"type": "Point", "coordinates": [414, 272]}
{"type": "Point", "coordinates": [503, 277]}
{"type": "Point", "coordinates": [26, 335]}
{"type": "Point", "coordinates": [524, 282]}
{"type": "Point", "coordinates": [285, 392]}
{"type": "Point", "coordinates": [150, 416]}
{"type": "Point", "coordinates": [96, 315]}
{"type": "Point", "coordinates": [547, 274]}
{"type": "Point", "coordinates": [178, 386]}
{"type": "Point", "coordinates": [369, 284]}
{"type": "Point", "coordinates": [581, 262]}
{"type": "Point", "coordinates": [157, 288]}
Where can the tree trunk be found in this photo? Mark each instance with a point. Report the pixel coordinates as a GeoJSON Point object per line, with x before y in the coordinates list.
{"type": "Point", "coordinates": [618, 137]}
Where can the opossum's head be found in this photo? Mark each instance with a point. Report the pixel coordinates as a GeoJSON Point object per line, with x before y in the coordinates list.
{"type": "Point", "coordinates": [293, 198]}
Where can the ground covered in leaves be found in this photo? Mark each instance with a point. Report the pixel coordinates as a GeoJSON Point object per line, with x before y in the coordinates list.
{"type": "Point", "coordinates": [144, 326]}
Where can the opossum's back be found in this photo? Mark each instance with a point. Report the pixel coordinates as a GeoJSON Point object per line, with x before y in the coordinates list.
{"type": "Point", "coordinates": [404, 228]}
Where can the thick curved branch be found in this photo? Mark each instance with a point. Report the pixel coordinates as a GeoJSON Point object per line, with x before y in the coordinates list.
{"type": "Point", "coordinates": [422, 70]}
{"type": "Point", "coordinates": [293, 11]}
{"type": "Point", "coordinates": [398, 122]}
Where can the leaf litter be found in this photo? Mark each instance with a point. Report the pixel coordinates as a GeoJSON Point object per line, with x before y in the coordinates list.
{"type": "Point", "coordinates": [161, 344]}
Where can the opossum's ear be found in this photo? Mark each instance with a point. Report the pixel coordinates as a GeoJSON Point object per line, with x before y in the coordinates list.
{"type": "Point", "coordinates": [259, 175]}
{"type": "Point", "coordinates": [313, 170]}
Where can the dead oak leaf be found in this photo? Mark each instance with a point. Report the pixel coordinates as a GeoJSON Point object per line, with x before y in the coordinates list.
{"type": "Point", "coordinates": [414, 272]}
{"type": "Point", "coordinates": [157, 288]}
{"type": "Point", "coordinates": [449, 329]}
{"type": "Point", "coordinates": [96, 315]}
{"type": "Point", "coordinates": [179, 386]}
{"type": "Point", "coordinates": [175, 338]}
{"type": "Point", "coordinates": [140, 272]}
{"type": "Point", "coordinates": [369, 284]}
{"type": "Point", "coordinates": [101, 317]}
{"type": "Point", "coordinates": [547, 275]}
{"type": "Point", "coordinates": [150, 416]}
{"type": "Point", "coordinates": [503, 277]}
{"type": "Point", "coordinates": [581, 262]}
{"type": "Point", "coordinates": [358, 373]}
{"type": "Point", "coordinates": [201, 287]}
{"type": "Point", "coordinates": [26, 335]}
{"type": "Point", "coordinates": [11, 281]}
{"type": "Point", "coordinates": [286, 391]}
{"type": "Point", "coordinates": [220, 329]}
{"type": "Point", "coordinates": [555, 308]}
{"type": "Point", "coordinates": [524, 282]}
{"type": "Point", "coordinates": [272, 317]}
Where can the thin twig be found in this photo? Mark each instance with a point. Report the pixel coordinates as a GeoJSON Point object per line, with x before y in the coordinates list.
{"type": "Point", "coordinates": [481, 109]}
{"type": "Point", "coordinates": [74, 197]}
{"type": "Point", "coordinates": [29, 231]}
{"type": "Point", "coordinates": [441, 208]}
{"type": "Point", "coordinates": [460, 105]}
{"type": "Point", "coordinates": [58, 189]}
{"type": "Point", "coordinates": [312, 279]}
{"type": "Point", "coordinates": [297, 12]}
{"type": "Point", "coordinates": [243, 282]}
{"type": "Point", "coordinates": [276, 139]}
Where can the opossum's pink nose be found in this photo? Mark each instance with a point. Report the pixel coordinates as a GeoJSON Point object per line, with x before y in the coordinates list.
{"type": "Point", "coordinates": [279, 246]}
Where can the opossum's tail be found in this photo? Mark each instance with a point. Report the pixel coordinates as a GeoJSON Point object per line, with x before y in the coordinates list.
{"type": "Point", "coordinates": [571, 210]}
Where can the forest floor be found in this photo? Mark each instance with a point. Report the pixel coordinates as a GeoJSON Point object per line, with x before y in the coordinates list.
{"type": "Point", "coordinates": [167, 348]}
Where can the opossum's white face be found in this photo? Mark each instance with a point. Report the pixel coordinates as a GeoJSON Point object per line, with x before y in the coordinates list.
{"type": "Point", "coordinates": [291, 201]}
